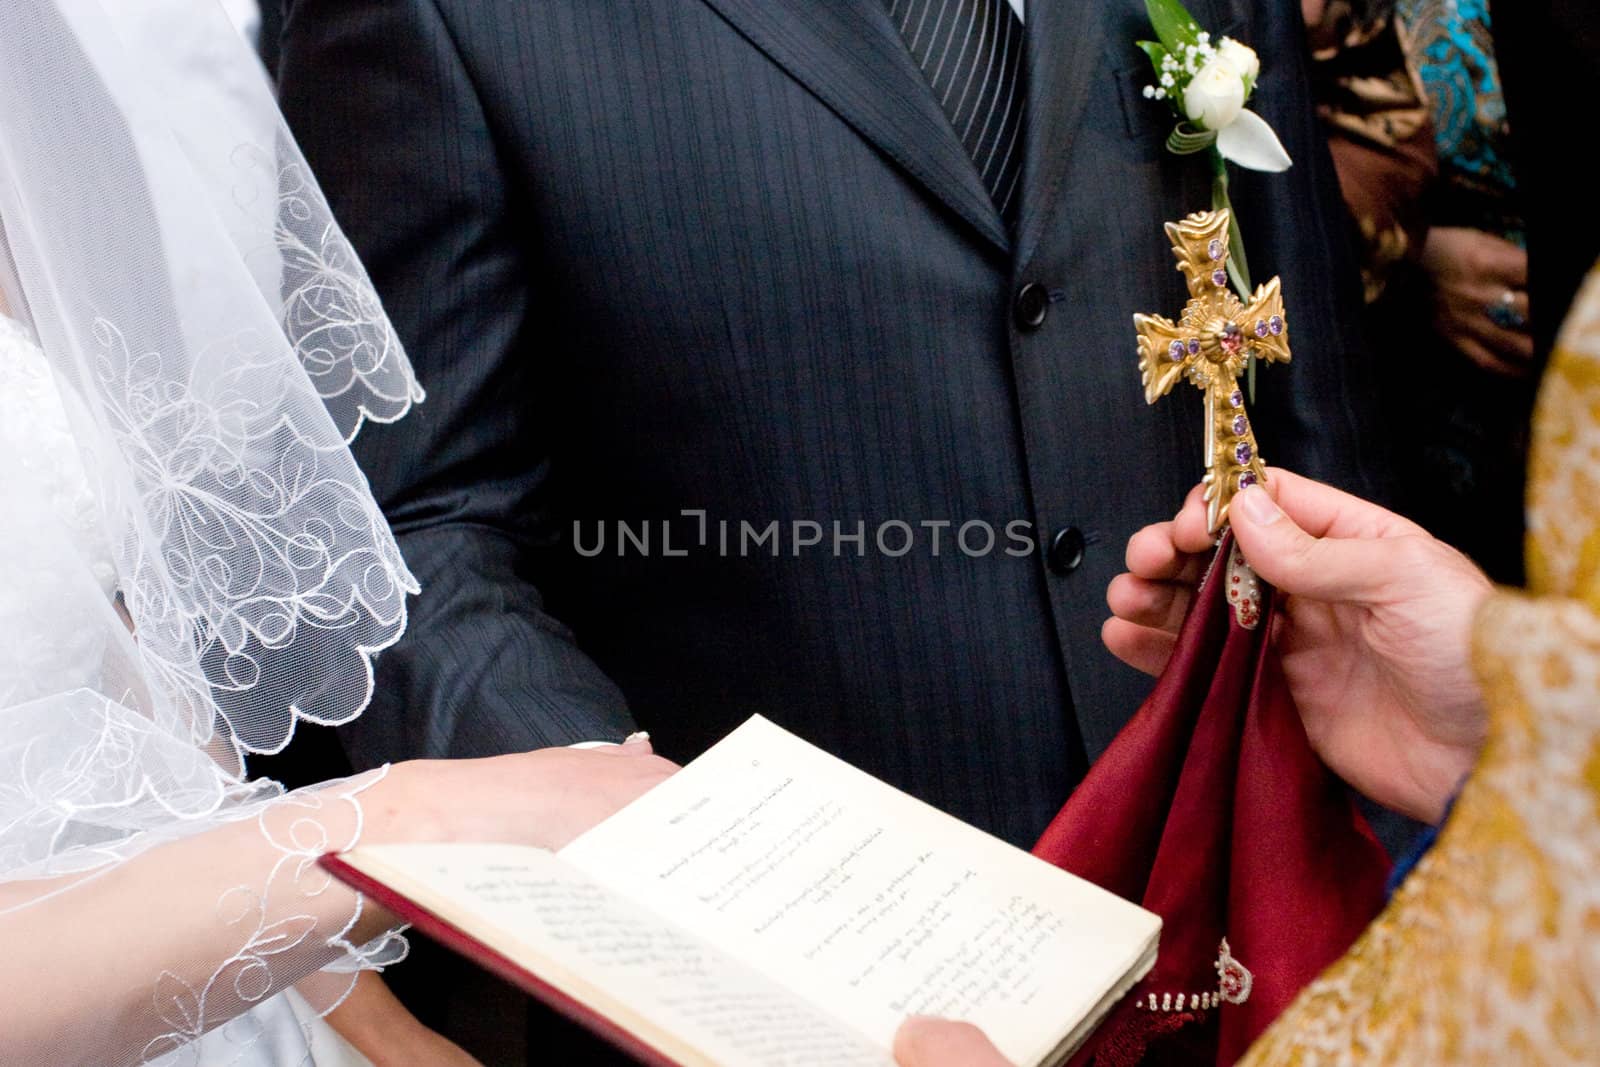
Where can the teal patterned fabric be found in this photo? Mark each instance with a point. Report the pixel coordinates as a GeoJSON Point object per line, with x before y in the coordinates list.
{"type": "Point", "coordinates": [1448, 45]}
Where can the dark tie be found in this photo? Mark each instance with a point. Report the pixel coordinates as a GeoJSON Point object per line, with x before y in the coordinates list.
{"type": "Point", "coordinates": [971, 53]}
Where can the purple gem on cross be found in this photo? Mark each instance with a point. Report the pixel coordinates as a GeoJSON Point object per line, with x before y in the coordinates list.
{"type": "Point", "coordinates": [1242, 452]}
{"type": "Point", "coordinates": [1194, 346]}
{"type": "Point", "coordinates": [1262, 329]}
{"type": "Point", "coordinates": [1275, 324]}
{"type": "Point", "coordinates": [1219, 278]}
{"type": "Point", "coordinates": [1240, 425]}
{"type": "Point", "coordinates": [1247, 479]}
{"type": "Point", "coordinates": [1176, 350]}
{"type": "Point", "coordinates": [1216, 249]}
{"type": "Point", "coordinates": [1236, 399]}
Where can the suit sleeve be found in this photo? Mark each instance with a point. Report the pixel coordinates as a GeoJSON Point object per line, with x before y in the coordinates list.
{"type": "Point", "coordinates": [1319, 412]}
{"type": "Point", "coordinates": [386, 113]}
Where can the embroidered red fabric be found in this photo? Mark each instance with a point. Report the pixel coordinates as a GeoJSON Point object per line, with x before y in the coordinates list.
{"type": "Point", "coordinates": [1211, 809]}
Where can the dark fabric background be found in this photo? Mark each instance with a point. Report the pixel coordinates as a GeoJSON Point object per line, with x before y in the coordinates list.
{"type": "Point", "coordinates": [271, 29]}
{"type": "Point", "coordinates": [1548, 52]}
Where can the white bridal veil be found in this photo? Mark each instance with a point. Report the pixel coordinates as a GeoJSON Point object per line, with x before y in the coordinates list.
{"type": "Point", "coordinates": [190, 560]}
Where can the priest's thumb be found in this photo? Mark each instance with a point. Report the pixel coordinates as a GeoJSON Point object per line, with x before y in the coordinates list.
{"type": "Point", "coordinates": [1321, 568]}
{"type": "Point", "coordinates": [925, 1042]}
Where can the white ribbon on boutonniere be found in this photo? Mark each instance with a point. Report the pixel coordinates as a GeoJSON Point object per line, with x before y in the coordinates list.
{"type": "Point", "coordinates": [1208, 85]}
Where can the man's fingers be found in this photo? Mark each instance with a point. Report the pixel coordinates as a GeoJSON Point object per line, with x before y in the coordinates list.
{"type": "Point", "coordinates": [923, 1042]}
{"type": "Point", "coordinates": [1191, 530]}
{"type": "Point", "coordinates": [1326, 568]}
{"type": "Point", "coordinates": [1323, 511]}
{"type": "Point", "coordinates": [1160, 605]}
{"type": "Point", "coordinates": [1181, 550]}
{"type": "Point", "coordinates": [1153, 554]}
{"type": "Point", "coordinates": [1175, 551]}
{"type": "Point", "coordinates": [1140, 647]}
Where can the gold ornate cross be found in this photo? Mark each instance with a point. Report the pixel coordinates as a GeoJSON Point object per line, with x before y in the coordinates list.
{"type": "Point", "coordinates": [1210, 345]}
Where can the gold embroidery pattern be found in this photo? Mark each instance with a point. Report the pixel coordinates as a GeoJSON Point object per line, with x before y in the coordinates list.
{"type": "Point", "coordinates": [1564, 464]}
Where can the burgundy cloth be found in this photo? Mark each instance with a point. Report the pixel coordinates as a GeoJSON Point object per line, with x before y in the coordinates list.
{"type": "Point", "coordinates": [1211, 810]}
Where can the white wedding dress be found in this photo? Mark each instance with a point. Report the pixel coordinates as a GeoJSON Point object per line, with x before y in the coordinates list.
{"type": "Point", "coordinates": [46, 651]}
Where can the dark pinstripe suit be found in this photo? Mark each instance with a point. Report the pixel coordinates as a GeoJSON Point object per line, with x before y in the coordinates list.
{"type": "Point", "coordinates": [654, 255]}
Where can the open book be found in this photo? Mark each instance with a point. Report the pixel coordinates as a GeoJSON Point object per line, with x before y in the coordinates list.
{"type": "Point", "coordinates": [772, 906]}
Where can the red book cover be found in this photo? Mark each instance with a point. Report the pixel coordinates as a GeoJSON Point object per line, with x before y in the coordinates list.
{"type": "Point", "coordinates": [490, 959]}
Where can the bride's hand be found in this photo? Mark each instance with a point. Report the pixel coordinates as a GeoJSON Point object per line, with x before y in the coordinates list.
{"type": "Point", "coordinates": [543, 798]}
{"type": "Point", "coordinates": [1374, 636]}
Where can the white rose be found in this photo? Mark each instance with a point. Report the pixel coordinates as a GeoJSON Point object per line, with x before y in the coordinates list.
{"type": "Point", "coordinates": [1243, 58]}
{"type": "Point", "coordinates": [1215, 96]}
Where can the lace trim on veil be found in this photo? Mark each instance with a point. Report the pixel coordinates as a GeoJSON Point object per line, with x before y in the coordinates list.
{"type": "Point", "coordinates": [331, 313]}
{"type": "Point", "coordinates": [214, 345]}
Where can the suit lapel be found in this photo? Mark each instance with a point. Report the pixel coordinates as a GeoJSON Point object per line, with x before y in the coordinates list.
{"type": "Point", "coordinates": [849, 54]}
{"type": "Point", "coordinates": [1064, 41]}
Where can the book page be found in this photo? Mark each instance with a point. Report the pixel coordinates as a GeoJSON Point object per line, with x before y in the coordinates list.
{"type": "Point", "coordinates": [866, 901]}
{"type": "Point", "coordinates": [675, 992]}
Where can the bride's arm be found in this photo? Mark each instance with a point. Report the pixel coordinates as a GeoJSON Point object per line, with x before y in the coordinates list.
{"type": "Point", "coordinates": [188, 935]}
{"type": "Point", "coordinates": [100, 969]}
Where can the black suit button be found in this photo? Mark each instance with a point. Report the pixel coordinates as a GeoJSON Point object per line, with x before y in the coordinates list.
{"type": "Point", "coordinates": [1066, 550]}
{"type": "Point", "coordinates": [1033, 304]}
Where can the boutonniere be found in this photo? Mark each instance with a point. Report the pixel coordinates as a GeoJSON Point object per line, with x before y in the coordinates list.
{"type": "Point", "coordinates": [1208, 83]}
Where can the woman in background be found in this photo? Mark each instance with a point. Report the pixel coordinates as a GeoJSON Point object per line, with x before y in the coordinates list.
{"type": "Point", "coordinates": [1411, 97]}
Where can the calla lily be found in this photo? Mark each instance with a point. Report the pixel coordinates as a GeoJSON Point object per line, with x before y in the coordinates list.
{"type": "Point", "coordinates": [1250, 142]}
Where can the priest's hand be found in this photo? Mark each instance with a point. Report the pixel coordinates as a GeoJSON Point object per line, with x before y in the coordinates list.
{"type": "Point", "coordinates": [924, 1042]}
{"type": "Point", "coordinates": [1374, 638]}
